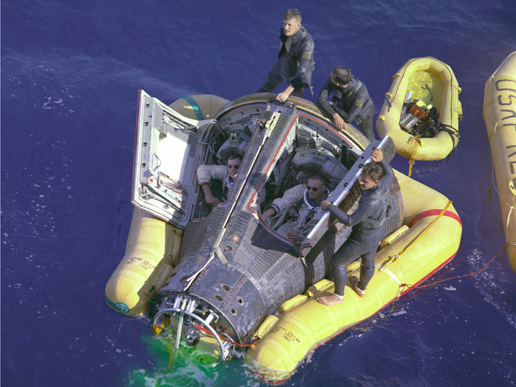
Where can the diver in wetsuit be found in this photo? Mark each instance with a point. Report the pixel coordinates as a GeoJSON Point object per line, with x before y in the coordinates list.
{"type": "Point", "coordinates": [369, 221]}
{"type": "Point", "coordinates": [226, 174]}
{"type": "Point", "coordinates": [295, 60]}
{"type": "Point", "coordinates": [351, 101]}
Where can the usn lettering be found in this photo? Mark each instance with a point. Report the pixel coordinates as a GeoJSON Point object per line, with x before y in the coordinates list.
{"type": "Point", "coordinates": [508, 85]}
{"type": "Point", "coordinates": [507, 89]}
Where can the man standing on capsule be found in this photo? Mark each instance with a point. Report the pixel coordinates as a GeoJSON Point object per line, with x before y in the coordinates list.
{"type": "Point", "coordinates": [369, 221]}
{"type": "Point", "coordinates": [295, 59]}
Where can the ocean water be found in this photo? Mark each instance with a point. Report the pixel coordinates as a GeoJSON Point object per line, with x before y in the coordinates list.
{"type": "Point", "coordinates": [70, 76]}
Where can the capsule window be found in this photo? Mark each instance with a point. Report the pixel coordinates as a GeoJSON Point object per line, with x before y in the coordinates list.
{"type": "Point", "coordinates": [218, 297]}
{"type": "Point", "coordinates": [225, 287]}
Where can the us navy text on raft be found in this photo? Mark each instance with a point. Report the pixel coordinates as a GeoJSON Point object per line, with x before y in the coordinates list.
{"type": "Point", "coordinates": [508, 85]}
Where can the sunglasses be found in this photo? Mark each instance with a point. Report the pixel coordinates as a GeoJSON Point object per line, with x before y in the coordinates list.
{"type": "Point", "coordinates": [315, 189]}
{"type": "Point", "coordinates": [235, 166]}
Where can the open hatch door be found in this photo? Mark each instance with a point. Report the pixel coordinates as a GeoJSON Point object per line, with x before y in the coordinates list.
{"type": "Point", "coordinates": [168, 150]}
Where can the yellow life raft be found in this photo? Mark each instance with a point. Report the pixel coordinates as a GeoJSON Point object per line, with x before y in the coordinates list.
{"type": "Point", "coordinates": [429, 238]}
{"type": "Point", "coordinates": [500, 118]}
{"type": "Point", "coordinates": [430, 78]}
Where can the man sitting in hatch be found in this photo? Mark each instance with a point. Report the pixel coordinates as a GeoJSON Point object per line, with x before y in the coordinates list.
{"type": "Point", "coordinates": [302, 202]}
{"type": "Point", "coordinates": [227, 174]}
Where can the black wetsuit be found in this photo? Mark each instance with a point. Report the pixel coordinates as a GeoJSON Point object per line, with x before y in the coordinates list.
{"type": "Point", "coordinates": [369, 222]}
{"type": "Point", "coordinates": [294, 67]}
{"type": "Point", "coordinates": [352, 103]}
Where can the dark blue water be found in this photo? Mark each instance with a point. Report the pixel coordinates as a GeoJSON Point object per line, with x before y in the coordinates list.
{"type": "Point", "coordinates": [70, 78]}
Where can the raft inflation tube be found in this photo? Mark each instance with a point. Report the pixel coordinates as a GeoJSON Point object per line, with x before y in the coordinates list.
{"type": "Point", "coordinates": [428, 240]}
{"type": "Point", "coordinates": [434, 80]}
{"type": "Point", "coordinates": [199, 107]}
{"type": "Point", "coordinates": [151, 252]}
{"type": "Point", "coordinates": [500, 119]}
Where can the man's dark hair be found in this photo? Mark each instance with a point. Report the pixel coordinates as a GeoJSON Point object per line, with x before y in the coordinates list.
{"type": "Point", "coordinates": [235, 156]}
{"type": "Point", "coordinates": [292, 14]}
{"type": "Point", "coordinates": [318, 176]}
{"type": "Point", "coordinates": [372, 171]}
{"type": "Point", "coordinates": [340, 75]}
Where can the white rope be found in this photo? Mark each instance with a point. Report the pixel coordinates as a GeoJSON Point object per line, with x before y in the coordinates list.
{"type": "Point", "coordinates": [192, 278]}
{"type": "Point", "coordinates": [392, 275]}
{"type": "Point", "coordinates": [507, 233]}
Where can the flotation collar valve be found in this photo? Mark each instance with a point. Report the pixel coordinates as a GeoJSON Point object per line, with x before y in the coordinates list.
{"type": "Point", "coordinates": [186, 307]}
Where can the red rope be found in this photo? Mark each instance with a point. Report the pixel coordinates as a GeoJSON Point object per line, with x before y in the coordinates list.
{"type": "Point", "coordinates": [457, 276]}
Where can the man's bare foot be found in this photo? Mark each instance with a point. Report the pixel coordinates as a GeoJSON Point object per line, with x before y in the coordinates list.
{"type": "Point", "coordinates": [330, 300]}
{"type": "Point", "coordinates": [354, 284]}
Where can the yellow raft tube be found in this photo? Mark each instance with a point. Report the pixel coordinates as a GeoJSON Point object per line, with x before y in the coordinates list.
{"type": "Point", "coordinates": [500, 119]}
{"type": "Point", "coordinates": [429, 238]}
{"type": "Point", "coordinates": [433, 79]}
{"type": "Point", "coordinates": [151, 253]}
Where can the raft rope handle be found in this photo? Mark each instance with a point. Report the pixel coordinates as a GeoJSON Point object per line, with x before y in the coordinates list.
{"type": "Point", "coordinates": [393, 96]}
{"type": "Point", "coordinates": [393, 258]}
{"type": "Point", "coordinates": [393, 276]}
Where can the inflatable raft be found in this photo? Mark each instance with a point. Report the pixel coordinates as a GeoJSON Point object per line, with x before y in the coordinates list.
{"type": "Point", "coordinates": [500, 119]}
{"type": "Point", "coordinates": [435, 81]}
{"type": "Point", "coordinates": [427, 241]}
{"type": "Point", "coordinates": [222, 278]}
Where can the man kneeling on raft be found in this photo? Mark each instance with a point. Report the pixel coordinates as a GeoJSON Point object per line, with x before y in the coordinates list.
{"type": "Point", "coordinates": [369, 221]}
